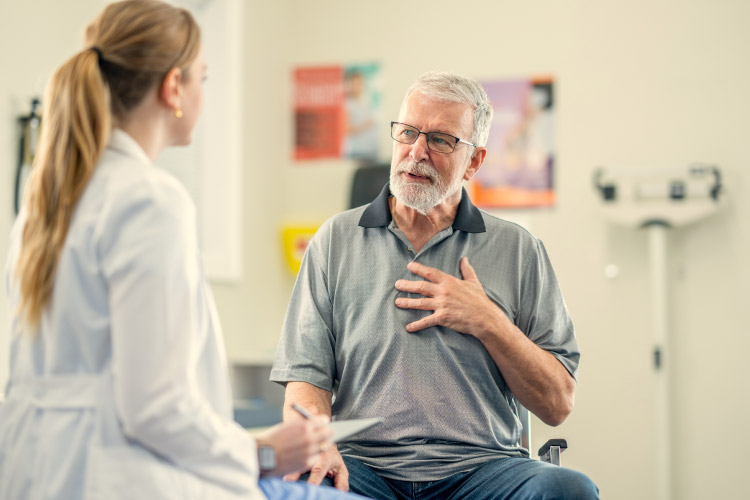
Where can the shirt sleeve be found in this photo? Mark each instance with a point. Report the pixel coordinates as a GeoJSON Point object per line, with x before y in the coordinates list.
{"type": "Point", "coordinates": [543, 314]}
{"type": "Point", "coordinates": [149, 255]}
{"type": "Point", "coordinates": [306, 350]}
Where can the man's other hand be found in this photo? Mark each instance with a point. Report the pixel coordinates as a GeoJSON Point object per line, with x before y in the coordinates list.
{"type": "Point", "coordinates": [329, 463]}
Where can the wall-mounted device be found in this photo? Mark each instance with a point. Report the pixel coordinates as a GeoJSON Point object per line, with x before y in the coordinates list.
{"type": "Point", "coordinates": [29, 138]}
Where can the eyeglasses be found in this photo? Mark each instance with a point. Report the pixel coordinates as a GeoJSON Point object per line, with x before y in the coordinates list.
{"type": "Point", "coordinates": [436, 141]}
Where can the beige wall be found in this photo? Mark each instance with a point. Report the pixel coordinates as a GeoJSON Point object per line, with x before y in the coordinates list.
{"type": "Point", "coordinates": [638, 83]}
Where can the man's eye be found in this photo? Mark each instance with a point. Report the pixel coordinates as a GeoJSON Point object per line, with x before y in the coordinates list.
{"type": "Point", "coordinates": [407, 133]}
{"type": "Point", "coordinates": [439, 140]}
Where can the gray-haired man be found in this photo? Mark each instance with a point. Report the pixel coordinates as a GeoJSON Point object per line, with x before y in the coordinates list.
{"type": "Point", "coordinates": [421, 309]}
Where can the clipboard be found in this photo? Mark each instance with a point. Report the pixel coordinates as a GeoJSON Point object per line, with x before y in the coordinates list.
{"type": "Point", "coordinates": [343, 429]}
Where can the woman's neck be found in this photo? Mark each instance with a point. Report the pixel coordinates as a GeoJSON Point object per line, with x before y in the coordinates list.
{"type": "Point", "coordinates": [146, 124]}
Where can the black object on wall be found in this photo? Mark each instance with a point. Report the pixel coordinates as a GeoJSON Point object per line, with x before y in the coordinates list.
{"type": "Point", "coordinates": [26, 149]}
{"type": "Point", "coordinates": [367, 183]}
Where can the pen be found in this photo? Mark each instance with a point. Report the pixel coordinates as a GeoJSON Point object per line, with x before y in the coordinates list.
{"type": "Point", "coordinates": [302, 411]}
{"type": "Point", "coordinates": [309, 416]}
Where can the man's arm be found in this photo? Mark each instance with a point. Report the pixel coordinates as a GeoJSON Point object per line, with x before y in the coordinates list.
{"type": "Point", "coordinates": [315, 399]}
{"type": "Point", "coordinates": [539, 381]}
{"type": "Point", "coordinates": [318, 402]}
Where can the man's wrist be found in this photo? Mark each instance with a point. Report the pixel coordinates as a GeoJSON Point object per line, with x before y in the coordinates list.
{"type": "Point", "coordinates": [493, 325]}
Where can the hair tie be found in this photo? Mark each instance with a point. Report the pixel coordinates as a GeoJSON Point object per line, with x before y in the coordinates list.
{"type": "Point", "coordinates": [99, 55]}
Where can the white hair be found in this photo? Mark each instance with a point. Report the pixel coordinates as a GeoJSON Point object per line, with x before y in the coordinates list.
{"type": "Point", "coordinates": [454, 88]}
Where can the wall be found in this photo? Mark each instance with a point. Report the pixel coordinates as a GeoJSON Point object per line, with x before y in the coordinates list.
{"type": "Point", "coordinates": [639, 83]}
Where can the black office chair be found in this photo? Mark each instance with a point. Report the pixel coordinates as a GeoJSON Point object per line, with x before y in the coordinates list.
{"type": "Point", "coordinates": [367, 182]}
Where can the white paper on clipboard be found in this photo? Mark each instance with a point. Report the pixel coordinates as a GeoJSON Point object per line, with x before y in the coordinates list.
{"type": "Point", "coordinates": [342, 429]}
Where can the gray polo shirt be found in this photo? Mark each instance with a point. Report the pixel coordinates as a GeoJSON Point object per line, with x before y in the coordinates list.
{"type": "Point", "coordinates": [446, 406]}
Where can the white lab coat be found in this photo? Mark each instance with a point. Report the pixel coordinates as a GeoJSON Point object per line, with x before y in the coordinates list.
{"type": "Point", "coordinates": [123, 391]}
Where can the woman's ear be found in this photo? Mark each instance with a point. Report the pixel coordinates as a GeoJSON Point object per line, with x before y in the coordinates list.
{"type": "Point", "coordinates": [170, 91]}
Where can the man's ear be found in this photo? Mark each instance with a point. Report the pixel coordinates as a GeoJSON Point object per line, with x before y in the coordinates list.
{"type": "Point", "coordinates": [170, 91]}
{"type": "Point", "coordinates": [476, 161]}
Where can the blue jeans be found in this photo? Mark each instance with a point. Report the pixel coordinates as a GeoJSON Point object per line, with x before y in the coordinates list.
{"type": "Point", "coordinates": [501, 479]}
{"type": "Point", "coordinates": [277, 489]}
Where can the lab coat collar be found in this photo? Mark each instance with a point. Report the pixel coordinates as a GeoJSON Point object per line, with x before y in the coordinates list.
{"type": "Point", "coordinates": [378, 213]}
{"type": "Point", "coordinates": [122, 142]}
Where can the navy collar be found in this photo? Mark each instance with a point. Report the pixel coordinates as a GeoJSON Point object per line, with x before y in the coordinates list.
{"type": "Point", "coordinates": [378, 213]}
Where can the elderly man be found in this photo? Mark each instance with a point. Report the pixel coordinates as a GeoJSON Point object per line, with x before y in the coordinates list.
{"type": "Point", "coordinates": [421, 309]}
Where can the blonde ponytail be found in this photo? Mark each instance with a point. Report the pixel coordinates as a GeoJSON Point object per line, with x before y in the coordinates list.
{"type": "Point", "coordinates": [77, 124]}
{"type": "Point", "coordinates": [133, 45]}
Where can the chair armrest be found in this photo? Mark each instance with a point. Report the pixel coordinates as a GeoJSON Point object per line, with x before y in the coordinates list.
{"type": "Point", "coordinates": [551, 451]}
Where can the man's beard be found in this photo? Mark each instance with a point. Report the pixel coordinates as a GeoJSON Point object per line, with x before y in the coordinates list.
{"type": "Point", "coordinates": [421, 196]}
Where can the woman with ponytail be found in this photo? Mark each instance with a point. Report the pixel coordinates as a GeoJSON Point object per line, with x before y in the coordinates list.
{"type": "Point", "coordinates": [118, 386]}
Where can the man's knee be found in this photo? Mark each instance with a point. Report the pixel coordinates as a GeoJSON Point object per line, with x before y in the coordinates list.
{"type": "Point", "coordinates": [560, 483]}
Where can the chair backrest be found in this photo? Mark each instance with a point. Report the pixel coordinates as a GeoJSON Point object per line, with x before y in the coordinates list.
{"type": "Point", "coordinates": [367, 182]}
{"type": "Point", "coordinates": [525, 416]}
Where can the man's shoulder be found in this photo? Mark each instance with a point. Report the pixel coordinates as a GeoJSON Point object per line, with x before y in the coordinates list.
{"type": "Point", "coordinates": [338, 229]}
{"type": "Point", "coordinates": [344, 222]}
{"type": "Point", "coordinates": [505, 229]}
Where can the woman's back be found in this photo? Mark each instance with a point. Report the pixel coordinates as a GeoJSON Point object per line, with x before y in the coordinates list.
{"type": "Point", "coordinates": [68, 399]}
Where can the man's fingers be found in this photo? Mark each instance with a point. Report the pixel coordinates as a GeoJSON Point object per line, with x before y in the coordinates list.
{"type": "Point", "coordinates": [341, 478]}
{"type": "Point", "coordinates": [421, 287]}
{"type": "Point", "coordinates": [423, 323]}
{"type": "Point", "coordinates": [467, 271]}
{"type": "Point", "coordinates": [292, 476]}
{"type": "Point", "coordinates": [429, 273]}
{"type": "Point", "coordinates": [319, 471]}
{"type": "Point", "coordinates": [423, 304]}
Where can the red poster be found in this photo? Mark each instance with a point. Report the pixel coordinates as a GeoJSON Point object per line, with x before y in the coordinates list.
{"type": "Point", "coordinates": [318, 112]}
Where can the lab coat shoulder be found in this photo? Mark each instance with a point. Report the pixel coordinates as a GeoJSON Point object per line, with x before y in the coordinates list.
{"type": "Point", "coordinates": [165, 348]}
{"type": "Point", "coordinates": [139, 205]}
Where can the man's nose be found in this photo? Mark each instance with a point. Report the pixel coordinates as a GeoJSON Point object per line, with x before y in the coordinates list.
{"type": "Point", "coordinates": [419, 150]}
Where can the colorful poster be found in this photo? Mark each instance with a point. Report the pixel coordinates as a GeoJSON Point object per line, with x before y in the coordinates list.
{"type": "Point", "coordinates": [518, 170]}
{"type": "Point", "coordinates": [337, 112]}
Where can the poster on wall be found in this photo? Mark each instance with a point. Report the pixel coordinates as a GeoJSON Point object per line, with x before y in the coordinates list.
{"type": "Point", "coordinates": [337, 112]}
{"type": "Point", "coordinates": [519, 167]}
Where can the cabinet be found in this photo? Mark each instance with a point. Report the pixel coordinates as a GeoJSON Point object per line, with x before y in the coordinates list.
{"type": "Point", "coordinates": [258, 401]}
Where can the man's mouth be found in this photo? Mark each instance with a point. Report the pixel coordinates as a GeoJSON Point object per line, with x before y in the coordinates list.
{"type": "Point", "coordinates": [417, 177]}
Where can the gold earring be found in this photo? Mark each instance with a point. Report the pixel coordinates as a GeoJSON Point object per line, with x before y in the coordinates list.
{"type": "Point", "coordinates": [178, 113]}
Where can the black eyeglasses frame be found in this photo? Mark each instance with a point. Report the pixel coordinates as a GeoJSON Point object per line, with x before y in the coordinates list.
{"type": "Point", "coordinates": [428, 135]}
